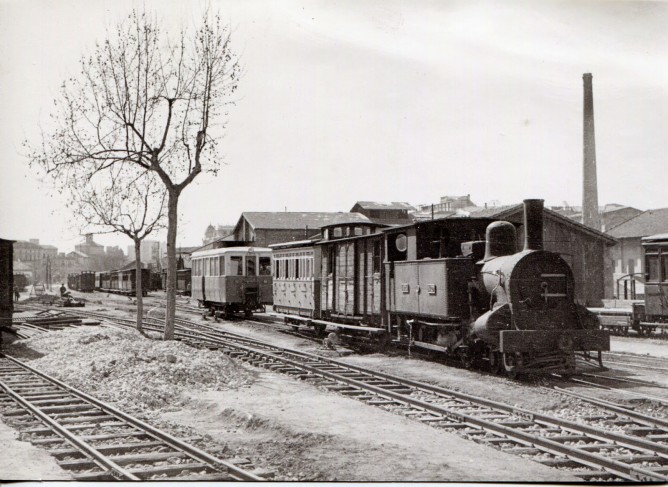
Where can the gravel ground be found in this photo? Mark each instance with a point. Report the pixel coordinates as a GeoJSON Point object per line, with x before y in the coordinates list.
{"type": "Point", "coordinates": [289, 428]}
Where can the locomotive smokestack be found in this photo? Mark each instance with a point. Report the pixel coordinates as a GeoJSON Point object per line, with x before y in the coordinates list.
{"type": "Point", "coordinates": [533, 224]}
{"type": "Point", "coordinates": [590, 216]}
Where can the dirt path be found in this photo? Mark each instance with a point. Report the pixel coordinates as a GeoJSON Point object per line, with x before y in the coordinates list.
{"type": "Point", "coordinates": [318, 435]}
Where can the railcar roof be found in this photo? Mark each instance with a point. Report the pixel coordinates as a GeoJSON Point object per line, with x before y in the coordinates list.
{"type": "Point", "coordinates": [660, 237]}
{"type": "Point", "coordinates": [298, 243]}
{"type": "Point", "coordinates": [231, 250]}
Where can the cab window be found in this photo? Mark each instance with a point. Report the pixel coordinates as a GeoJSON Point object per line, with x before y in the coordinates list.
{"type": "Point", "coordinates": [250, 266]}
{"type": "Point", "coordinates": [235, 268]}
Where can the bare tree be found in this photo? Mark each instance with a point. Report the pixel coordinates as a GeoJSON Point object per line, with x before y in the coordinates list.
{"type": "Point", "coordinates": [129, 200]}
{"type": "Point", "coordinates": [154, 100]}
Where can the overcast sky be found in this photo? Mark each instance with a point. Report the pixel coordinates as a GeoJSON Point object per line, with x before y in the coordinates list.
{"type": "Point", "coordinates": [375, 100]}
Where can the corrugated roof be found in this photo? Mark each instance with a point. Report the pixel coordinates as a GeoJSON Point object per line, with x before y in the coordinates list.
{"type": "Point", "coordinates": [294, 220]}
{"type": "Point", "coordinates": [376, 205]}
{"type": "Point", "coordinates": [647, 223]}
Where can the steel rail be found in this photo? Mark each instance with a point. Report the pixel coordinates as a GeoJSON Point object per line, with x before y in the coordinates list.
{"type": "Point", "coordinates": [583, 457]}
{"type": "Point", "coordinates": [98, 458]}
{"type": "Point", "coordinates": [166, 437]}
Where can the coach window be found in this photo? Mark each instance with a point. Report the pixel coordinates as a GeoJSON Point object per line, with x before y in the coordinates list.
{"type": "Point", "coordinates": [235, 267]}
{"type": "Point", "coordinates": [358, 231]}
{"type": "Point", "coordinates": [338, 232]}
{"type": "Point", "coordinates": [250, 266]}
{"type": "Point", "coordinates": [265, 266]}
{"type": "Point", "coordinates": [376, 256]}
{"type": "Point", "coordinates": [652, 267]}
{"type": "Point", "coordinates": [221, 266]}
{"type": "Point", "coordinates": [297, 275]}
{"type": "Point", "coordinates": [664, 267]}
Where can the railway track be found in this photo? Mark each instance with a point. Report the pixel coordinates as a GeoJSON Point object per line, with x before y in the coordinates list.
{"type": "Point", "coordinates": [607, 446]}
{"type": "Point", "coordinates": [94, 441]}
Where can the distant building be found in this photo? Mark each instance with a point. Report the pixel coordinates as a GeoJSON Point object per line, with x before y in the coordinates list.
{"type": "Point", "coordinates": [449, 204]}
{"type": "Point", "coordinates": [90, 248]}
{"type": "Point", "coordinates": [216, 233]}
{"type": "Point", "coordinates": [34, 259]}
{"type": "Point", "coordinates": [150, 252]}
{"type": "Point", "coordinates": [385, 213]}
{"type": "Point", "coordinates": [182, 254]}
{"type": "Point", "coordinates": [261, 229]}
{"type": "Point", "coordinates": [611, 214]}
{"type": "Point", "coordinates": [627, 254]}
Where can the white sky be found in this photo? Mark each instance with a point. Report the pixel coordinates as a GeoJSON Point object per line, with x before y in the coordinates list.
{"type": "Point", "coordinates": [375, 100]}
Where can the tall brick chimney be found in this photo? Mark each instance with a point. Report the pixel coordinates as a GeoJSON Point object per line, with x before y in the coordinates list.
{"type": "Point", "coordinates": [590, 215]}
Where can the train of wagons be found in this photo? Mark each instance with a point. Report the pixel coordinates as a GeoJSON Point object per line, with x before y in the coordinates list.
{"type": "Point", "coordinates": [651, 313]}
{"type": "Point", "coordinates": [123, 281]}
{"type": "Point", "coordinates": [81, 281]}
{"type": "Point", "coordinates": [458, 286]}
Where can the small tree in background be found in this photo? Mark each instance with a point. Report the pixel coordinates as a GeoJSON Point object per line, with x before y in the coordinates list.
{"type": "Point", "coordinates": [127, 200]}
{"type": "Point", "coordinates": [148, 99]}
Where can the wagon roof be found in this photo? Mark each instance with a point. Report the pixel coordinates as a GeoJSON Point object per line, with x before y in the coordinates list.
{"type": "Point", "coordinates": [231, 250]}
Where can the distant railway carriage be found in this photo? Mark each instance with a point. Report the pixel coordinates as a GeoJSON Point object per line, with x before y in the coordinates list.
{"type": "Point", "coordinates": [83, 281]}
{"type": "Point", "coordinates": [231, 280]}
{"type": "Point", "coordinates": [124, 281]}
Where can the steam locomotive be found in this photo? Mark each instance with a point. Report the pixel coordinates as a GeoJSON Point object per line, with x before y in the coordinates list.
{"type": "Point", "coordinates": [458, 286]}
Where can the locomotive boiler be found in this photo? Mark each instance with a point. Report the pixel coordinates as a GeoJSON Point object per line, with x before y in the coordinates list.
{"type": "Point", "coordinates": [533, 321]}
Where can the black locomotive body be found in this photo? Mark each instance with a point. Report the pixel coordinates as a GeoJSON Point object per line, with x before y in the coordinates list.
{"type": "Point", "coordinates": [455, 285]}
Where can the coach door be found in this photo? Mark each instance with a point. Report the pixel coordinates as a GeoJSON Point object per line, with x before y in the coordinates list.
{"type": "Point", "coordinates": [344, 278]}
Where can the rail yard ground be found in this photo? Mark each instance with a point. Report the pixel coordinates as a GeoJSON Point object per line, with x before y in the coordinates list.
{"type": "Point", "coordinates": [291, 429]}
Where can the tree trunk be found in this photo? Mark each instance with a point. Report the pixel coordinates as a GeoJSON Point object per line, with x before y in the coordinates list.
{"type": "Point", "coordinates": [172, 221]}
{"type": "Point", "coordinates": [138, 287]}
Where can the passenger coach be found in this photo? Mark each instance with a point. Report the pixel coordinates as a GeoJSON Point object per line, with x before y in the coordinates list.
{"type": "Point", "coordinates": [231, 280]}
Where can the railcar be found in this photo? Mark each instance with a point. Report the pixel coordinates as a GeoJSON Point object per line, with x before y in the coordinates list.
{"type": "Point", "coordinates": [457, 286]}
{"type": "Point", "coordinates": [125, 282]}
{"type": "Point", "coordinates": [654, 313]}
{"type": "Point", "coordinates": [232, 280]}
{"type": "Point", "coordinates": [651, 313]}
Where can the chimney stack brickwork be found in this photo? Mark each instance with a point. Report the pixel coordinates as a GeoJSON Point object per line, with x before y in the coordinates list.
{"type": "Point", "coordinates": [590, 214]}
